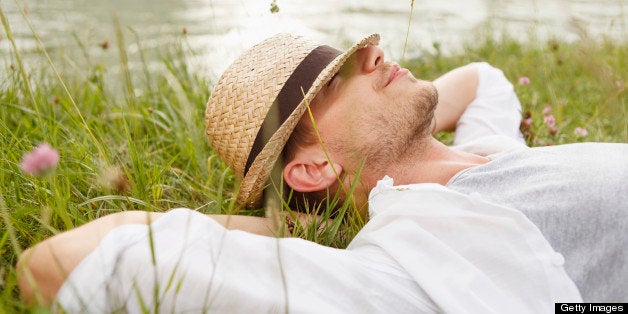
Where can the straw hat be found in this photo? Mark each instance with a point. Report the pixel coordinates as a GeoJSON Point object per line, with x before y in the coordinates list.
{"type": "Point", "coordinates": [260, 98]}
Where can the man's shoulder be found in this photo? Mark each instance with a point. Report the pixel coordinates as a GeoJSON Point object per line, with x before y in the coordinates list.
{"type": "Point", "coordinates": [491, 144]}
{"type": "Point", "coordinates": [422, 199]}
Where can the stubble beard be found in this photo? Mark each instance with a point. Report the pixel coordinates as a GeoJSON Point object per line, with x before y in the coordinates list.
{"type": "Point", "coordinates": [397, 134]}
{"type": "Point", "coordinates": [394, 138]}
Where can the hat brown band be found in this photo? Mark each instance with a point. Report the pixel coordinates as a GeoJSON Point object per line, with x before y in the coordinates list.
{"type": "Point", "coordinates": [290, 96]}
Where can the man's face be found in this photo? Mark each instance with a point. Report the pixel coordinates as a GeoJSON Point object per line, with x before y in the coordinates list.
{"type": "Point", "coordinates": [372, 111]}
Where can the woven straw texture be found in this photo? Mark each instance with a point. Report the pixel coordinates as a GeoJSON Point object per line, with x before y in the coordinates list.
{"type": "Point", "coordinates": [242, 97]}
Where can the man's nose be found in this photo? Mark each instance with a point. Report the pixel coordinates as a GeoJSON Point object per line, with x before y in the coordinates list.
{"type": "Point", "coordinates": [370, 58]}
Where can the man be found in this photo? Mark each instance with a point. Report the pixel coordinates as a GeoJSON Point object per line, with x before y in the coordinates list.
{"type": "Point", "coordinates": [425, 249]}
{"type": "Point", "coordinates": [375, 119]}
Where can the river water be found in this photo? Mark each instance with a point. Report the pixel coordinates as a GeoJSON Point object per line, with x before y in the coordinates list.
{"type": "Point", "coordinates": [216, 31]}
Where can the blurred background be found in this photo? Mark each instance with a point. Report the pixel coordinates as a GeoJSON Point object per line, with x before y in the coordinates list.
{"type": "Point", "coordinates": [216, 31]}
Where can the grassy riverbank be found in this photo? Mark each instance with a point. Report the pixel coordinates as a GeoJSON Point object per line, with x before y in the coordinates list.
{"type": "Point", "coordinates": [144, 148]}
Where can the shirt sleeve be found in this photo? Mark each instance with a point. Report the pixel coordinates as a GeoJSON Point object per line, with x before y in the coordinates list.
{"type": "Point", "coordinates": [190, 263]}
{"type": "Point", "coordinates": [494, 113]}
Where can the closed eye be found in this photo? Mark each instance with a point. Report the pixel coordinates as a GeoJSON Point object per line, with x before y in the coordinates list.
{"type": "Point", "coordinates": [333, 78]}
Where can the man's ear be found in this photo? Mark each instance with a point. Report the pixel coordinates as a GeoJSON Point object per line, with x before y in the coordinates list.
{"type": "Point", "coordinates": [305, 175]}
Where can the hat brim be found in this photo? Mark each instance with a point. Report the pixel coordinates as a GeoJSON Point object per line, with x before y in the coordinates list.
{"type": "Point", "coordinates": [255, 181]}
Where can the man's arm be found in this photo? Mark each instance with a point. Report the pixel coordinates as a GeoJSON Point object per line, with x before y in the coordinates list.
{"type": "Point", "coordinates": [43, 268]}
{"type": "Point", "coordinates": [480, 104]}
{"type": "Point", "coordinates": [456, 90]}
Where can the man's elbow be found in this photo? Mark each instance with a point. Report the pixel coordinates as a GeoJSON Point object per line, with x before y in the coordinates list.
{"type": "Point", "coordinates": [25, 279]}
{"type": "Point", "coordinates": [33, 279]}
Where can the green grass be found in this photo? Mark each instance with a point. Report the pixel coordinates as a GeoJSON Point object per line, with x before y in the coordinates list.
{"type": "Point", "coordinates": [152, 131]}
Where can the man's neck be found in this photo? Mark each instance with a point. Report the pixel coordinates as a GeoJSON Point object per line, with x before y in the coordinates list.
{"type": "Point", "coordinates": [432, 162]}
{"type": "Point", "coordinates": [429, 162]}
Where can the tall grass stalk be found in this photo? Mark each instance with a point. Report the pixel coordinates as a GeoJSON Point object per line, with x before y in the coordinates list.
{"type": "Point", "coordinates": [405, 42]}
{"type": "Point", "coordinates": [124, 61]}
{"type": "Point", "coordinates": [16, 52]}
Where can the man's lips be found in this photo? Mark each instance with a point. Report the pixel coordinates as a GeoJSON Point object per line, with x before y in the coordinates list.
{"type": "Point", "coordinates": [395, 72]}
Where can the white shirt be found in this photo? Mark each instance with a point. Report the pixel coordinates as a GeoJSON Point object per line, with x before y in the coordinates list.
{"type": "Point", "coordinates": [446, 252]}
